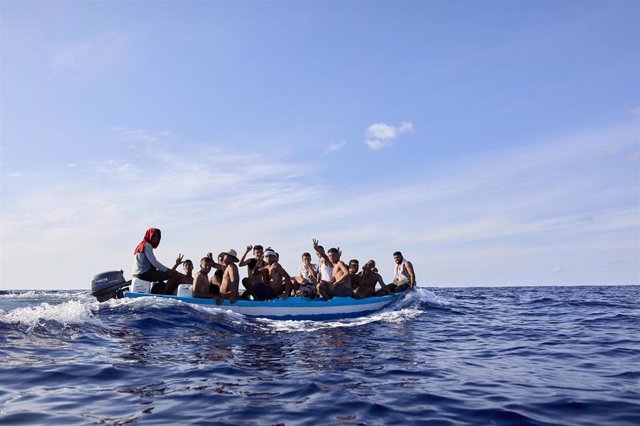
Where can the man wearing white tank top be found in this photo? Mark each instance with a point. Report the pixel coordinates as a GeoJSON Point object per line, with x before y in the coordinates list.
{"type": "Point", "coordinates": [403, 277]}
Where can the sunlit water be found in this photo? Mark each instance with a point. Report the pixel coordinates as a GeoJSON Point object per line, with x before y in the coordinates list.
{"type": "Point", "coordinates": [536, 355]}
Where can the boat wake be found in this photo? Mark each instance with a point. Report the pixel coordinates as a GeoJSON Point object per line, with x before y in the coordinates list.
{"type": "Point", "coordinates": [70, 311]}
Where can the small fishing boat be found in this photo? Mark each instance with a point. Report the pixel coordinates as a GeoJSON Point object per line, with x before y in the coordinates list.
{"type": "Point", "coordinates": [112, 284]}
{"type": "Point", "coordinates": [293, 308]}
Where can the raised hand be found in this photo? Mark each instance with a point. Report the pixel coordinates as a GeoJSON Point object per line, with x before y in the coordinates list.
{"type": "Point", "coordinates": [249, 247]}
{"type": "Point", "coordinates": [316, 243]}
{"type": "Point", "coordinates": [179, 259]}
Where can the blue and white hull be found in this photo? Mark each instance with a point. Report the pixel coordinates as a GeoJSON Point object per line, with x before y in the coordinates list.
{"type": "Point", "coordinates": [293, 308]}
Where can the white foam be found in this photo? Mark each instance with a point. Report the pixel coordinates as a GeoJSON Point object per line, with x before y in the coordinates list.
{"type": "Point", "coordinates": [72, 312]}
{"type": "Point", "coordinates": [426, 296]}
{"type": "Point", "coordinates": [392, 316]}
{"type": "Point", "coordinates": [402, 311]}
{"type": "Point", "coordinates": [31, 294]}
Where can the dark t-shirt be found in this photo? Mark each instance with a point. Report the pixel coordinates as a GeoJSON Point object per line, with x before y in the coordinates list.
{"type": "Point", "coordinates": [252, 263]}
{"type": "Point", "coordinates": [355, 280]}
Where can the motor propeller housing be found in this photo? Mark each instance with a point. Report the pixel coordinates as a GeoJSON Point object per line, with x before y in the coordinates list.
{"type": "Point", "coordinates": [109, 285]}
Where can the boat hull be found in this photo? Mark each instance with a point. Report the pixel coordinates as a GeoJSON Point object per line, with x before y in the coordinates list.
{"type": "Point", "coordinates": [293, 308]}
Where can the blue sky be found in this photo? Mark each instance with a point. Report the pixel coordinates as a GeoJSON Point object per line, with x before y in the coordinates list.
{"type": "Point", "coordinates": [492, 142]}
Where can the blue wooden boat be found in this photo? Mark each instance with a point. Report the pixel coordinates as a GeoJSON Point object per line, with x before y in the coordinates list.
{"type": "Point", "coordinates": [293, 308]}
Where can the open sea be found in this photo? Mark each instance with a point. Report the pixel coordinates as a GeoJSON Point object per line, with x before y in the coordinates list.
{"type": "Point", "coordinates": [449, 356]}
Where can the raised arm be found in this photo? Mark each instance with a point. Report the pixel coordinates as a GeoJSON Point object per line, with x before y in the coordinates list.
{"type": "Point", "coordinates": [244, 262]}
{"type": "Point", "coordinates": [215, 264]}
{"type": "Point", "coordinates": [178, 261]}
{"type": "Point", "coordinates": [317, 248]}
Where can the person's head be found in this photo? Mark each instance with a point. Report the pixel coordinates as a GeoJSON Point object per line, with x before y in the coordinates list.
{"type": "Point", "coordinates": [333, 254]}
{"type": "Point", "coordinates": [258, 251]}
{"type": "Point", "coordinates": [230, 256]}
{"type": "Point", "coordinates": [397, 256]}
{"type": "Point", "coordinates": [270, 257]}
{"type": "Point", "coordinates": [306, 258]}
{"type": "Point", "coordinates": [320, 250]}
{"type": "Point", "coordinates": [369, 266]}
{"type": "Point", "coordinates": [221, 258]}
{"type": "Point", "coordinates": [153, 236]}
{"type": "Point", "coordinates": [187, 266]}
{"type": "Point", "coordinates": [205, 264]}
{"type": "Point", "coordinates": [354, 265]}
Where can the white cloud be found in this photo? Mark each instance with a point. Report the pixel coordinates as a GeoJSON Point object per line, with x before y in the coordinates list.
{"type": "Point", "coordinates": [120, 169]}
{"type": "Point", "coordinates": [93, 55]}
{"type": "Point", "coordinates": [380, 135]}
{"type": "Point", "coordinates": [16, 174]}
{"type": "Point", "coordinates": [405, 127]}
{"type": "Point", "coordinates": [331, 148]}
{"type": "Point", "coordinates": [376, 144]}
{"type": "Point", "coordinates": [557, 268]}
{"type": "Point", "coordinates": [381, 131]}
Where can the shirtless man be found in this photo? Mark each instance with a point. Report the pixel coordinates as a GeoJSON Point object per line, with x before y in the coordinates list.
{"type": "Point", "coordinates": [200, 287]}
{"type": "Point", "coordinates": [340, 284]}
{"type": "Point", "coordinates": [368, 282]}
{"type": "Point", "coordinates": [403, 277]}
{"type": "Point", "coordinates": [253, 264]}
{"type": "Point", "coordinates": [187, 268]}
{"type": "Point", "coordinates": [186, 277]}
{"type": "Point", "coordinates": [276, 281]}
{"type": "Point", "coordinates": [230, 278]}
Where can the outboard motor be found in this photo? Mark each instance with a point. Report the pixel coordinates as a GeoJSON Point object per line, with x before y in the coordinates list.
{"type": "Point", "coordinates": [109, 285]}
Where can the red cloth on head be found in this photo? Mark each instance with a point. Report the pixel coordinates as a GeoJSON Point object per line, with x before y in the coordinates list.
{"type": "Point", "coordinates": [147, 239]}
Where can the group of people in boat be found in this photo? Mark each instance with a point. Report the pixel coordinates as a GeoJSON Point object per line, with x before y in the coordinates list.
{"type": "Point", "coordinates": [266, 278]}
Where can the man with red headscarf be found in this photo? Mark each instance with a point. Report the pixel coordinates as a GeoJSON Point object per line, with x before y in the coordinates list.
{"type": "Point", "coordinates": [147, 267]}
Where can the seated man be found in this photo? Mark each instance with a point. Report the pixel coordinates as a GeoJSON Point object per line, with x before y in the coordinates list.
{"type": "Point", "coordinates": [403, 277]}
{"type": "Point", "coordinates": [253, 264]}
{"type": "Point", "coordinates": [185, 277]}
{"type": "Point", "coordinates": [368, 282]}
{"type": "Point", "coordinates": [146, 267]}
{"type": "Point", "coordinates": [187, 271]}
{"type": "Point", "coordinates": [230, 277]}
{"type": "Point", "coordinates": [324, 269]}
{"type": "Point", "coordinates": [304, 284]}
{"type": "Point", "coordinates": [201, 287]}
{"type": "Point", "coordinates": [340, 284]}
{"type": "Point", "coordinates": [276, 281]}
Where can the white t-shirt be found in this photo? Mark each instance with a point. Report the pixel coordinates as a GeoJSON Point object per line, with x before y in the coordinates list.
{"type": "Point", "coordinates": [142, 261]}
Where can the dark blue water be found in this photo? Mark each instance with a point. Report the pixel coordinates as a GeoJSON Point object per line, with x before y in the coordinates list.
{"type": "Point", "coordinates": [503, 356]}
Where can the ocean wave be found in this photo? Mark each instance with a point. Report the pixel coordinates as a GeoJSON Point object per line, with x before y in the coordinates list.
{"type": "Point", "coordinates": [73, 312]}
{"type": "Point", "coordinates": [48, 294]}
